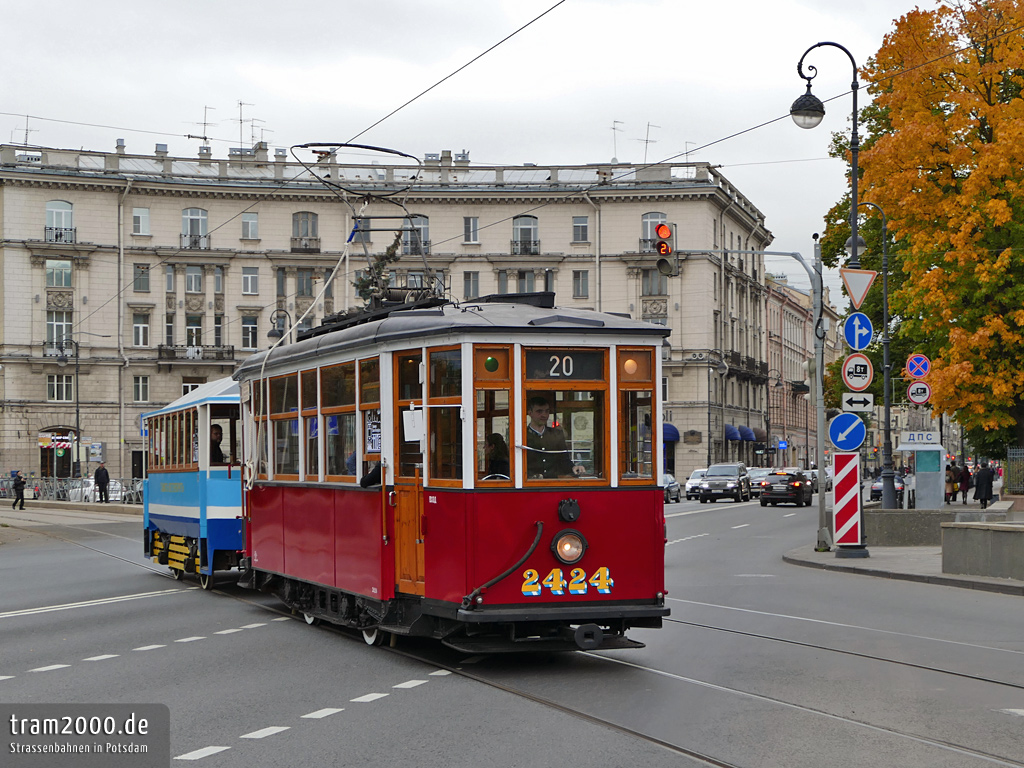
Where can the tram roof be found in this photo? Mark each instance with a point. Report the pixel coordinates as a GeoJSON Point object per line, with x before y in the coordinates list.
{"type": "Point", "coordinates": [451, 323]}
{"type": "Point", "coordinates": [219, 391]}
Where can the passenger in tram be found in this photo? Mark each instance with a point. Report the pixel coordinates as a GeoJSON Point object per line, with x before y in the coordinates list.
{"type": "Point", "coordinates": [547, 455]}
{"type": "Point", "coordinates": [496, 453]}
{"type": "Point", "coordinates": [216, 437]}
{"type": "Point", "coordinates": [371, 478]}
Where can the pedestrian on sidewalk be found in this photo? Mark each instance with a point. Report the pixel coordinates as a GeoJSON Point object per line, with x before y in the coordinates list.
{"type": "Point", "coordinates": [951, 483]}
{"type": "Point", "coordinates": [983, 485]}
{"type": "Point", "coordinates": [102, 478]}
{"type": "Point", "coordinates": [19, 490]}
{"type": "Point", "coordinates": [965, 481]}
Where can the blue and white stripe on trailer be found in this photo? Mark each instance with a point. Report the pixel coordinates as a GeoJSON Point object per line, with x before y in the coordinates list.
{"type": "Point", "coordinates": [220, 391]}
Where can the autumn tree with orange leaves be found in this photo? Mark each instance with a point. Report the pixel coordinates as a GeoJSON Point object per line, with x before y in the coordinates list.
{"type": "Point", "coordinates": [945, 161]}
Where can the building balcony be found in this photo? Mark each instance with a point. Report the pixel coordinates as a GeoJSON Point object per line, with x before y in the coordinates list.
{"type": "Point", "coordinates": [647, 245]}
{"type": "Point", "coordinates": [525, 247]}
{"type": "Point", "coordinates": [416, 249]}
{"type": "Point", "coordinates": [195, 354]}
{"type": "Point", "coordinates": [195, 242]}
{"type": "Point", "coordinates": [60, 234]}
{"type": "Point", "coordinates": [305, 245]}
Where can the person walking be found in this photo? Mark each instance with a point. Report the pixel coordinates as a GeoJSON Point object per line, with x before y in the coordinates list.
{"type": "Point", "coordinates": [983, 485]}
{"type": "Point", "coordinates": [19, 490]}
{"type": "Point", "coordinates": [102, 478]}
{"type": "Point", "coordinates": [965, 481]}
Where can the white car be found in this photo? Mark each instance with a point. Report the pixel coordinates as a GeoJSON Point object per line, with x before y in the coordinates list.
{"type": "Point", "coordinates": [693, 484]}
{"type": "Point", "coordinates": [84, 489]}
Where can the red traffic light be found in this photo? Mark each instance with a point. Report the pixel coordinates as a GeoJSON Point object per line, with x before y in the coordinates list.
{"type": "Point", "coordinates": [663, 239]}
{"type": "Point", "coordinates": [663, 231]}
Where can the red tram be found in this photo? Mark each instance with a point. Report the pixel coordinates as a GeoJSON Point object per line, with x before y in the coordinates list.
{"type": "Point", "coordinates": [487, 474]}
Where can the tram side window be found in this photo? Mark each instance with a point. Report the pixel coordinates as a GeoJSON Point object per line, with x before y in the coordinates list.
{"type": "Point", "coordinates": [284, 406]}
{"type": "Point", "coordinates": [637, 446]}
{"type": "Point", "coordinates": [369, 408]}
{"type": "Point", "coordinates": [445, 414]}
{"type": "Point", "coordinates": [311, 425]}
{"type": "Point", "coordinates": [495, 462]}
{"type": "Point", "coordinates": [565, 434]}
{"type": "Point", "coordinates": [338, 406]}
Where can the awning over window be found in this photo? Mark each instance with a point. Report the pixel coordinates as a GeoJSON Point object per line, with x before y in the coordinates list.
{"type": "Point", "coordinates": [731, 433]}
{"type": "Point", "coordinates": [760, 435]}
{"type": "Point", "coordinates": [746, 433]}
{"type": "Point", "coordinates": [669, 433]}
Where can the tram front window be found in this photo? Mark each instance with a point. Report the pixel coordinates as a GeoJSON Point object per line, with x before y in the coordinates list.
{"type": "Point", "coordinates": [565, 434]}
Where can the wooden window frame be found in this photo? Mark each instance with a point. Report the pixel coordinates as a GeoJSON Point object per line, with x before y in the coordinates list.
{"type": "Point", "coordinates": [636, 383]}
{"type": "Point", "coordinates": [484, 381]}
{"type": "Point", "coordinates": [273, 417]}
{"type": "Point", "coordinates": [339, 410]}
{"type": "Point", "coordinates": [405, 402]}
{"type": "Point", "coordinates": [445, 401]}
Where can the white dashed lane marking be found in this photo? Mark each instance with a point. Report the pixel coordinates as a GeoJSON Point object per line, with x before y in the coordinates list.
{"type": "Point", "coordinates": [440, 673]}
{"type": "Point", "coordinates": [148, 647]}
{"type": "Point", "coordinates": [189, 639]}
{"type": "Point", "coordinates": [1017, 712]}
{"type": "Point", "coordinates": [736, 527]}
{"type": "Point", "coordinates": [676, 541]}
{"type": "Point", "coordinates": [199, 754]}
{"type": "Point", "coordinates": [6, 677]}
{"type": "Point", "coordinates": [253, 626]}
{"type": "Point", "coordinates": [104, 657]}
{"type": "Point", "coordinates": [369, 697]}
{"type": "Point", "coordinates": [410, 684]}
{"type": "Point", "coordinates": [322, 713]}
{"type": "Point", "coordinates": [227, 631]}
{"type": "Point", "coordinates": [50, 668]}
{"type": "Point", "coordinates": [264, 732]}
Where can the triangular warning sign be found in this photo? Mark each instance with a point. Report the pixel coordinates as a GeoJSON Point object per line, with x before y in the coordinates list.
{"type": "Point", "coordinates": [858, 283]}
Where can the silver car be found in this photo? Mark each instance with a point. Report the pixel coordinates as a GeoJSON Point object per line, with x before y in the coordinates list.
{"type": "Point", "coordinates": [84, 489]}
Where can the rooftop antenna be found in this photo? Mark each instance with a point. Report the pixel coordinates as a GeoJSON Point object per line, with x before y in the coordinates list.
{"type": "Point", "coordinates": [686, 150]}
{"type": "Point", "coordinates": [252, 128]}
{"type": "Point", "coordinates": [28, 131]}
{"type": "Point", "coordinates": [648, 141]}
{"type": "Point", "coordinates": [241, 122]}
{"type": "Point", "coordinates": [615, 148]}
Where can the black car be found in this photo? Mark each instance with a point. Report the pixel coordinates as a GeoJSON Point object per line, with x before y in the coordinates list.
{"type": "Point", "coordinates": [672, 490]}
{"type": "Point", "coordinates": [876, 489]}
{"type": "Point", "coordinates": [725, 481]}
{"type": "Point", "coordinates": [786, 486]}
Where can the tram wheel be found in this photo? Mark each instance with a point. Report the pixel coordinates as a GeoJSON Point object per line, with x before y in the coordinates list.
{"type": "Point", "coordinates": [206, 581]}
{"type": "Point", "coordinates": [374, 636]}
{"type": "Point", "coordinates": [177, 573]}
{"type": "Point", "coordinates": [311, 619]}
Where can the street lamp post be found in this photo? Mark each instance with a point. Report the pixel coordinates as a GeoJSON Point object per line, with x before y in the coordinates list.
{"type": "Point", "coordinates": [888, 483]}
{"type": "Point", "coordinates": [721, 368]}
{"type": "Point", "coordinates": [768, 412]}
{"type": "Point", "coordinates": [275, 331]}
{"type": "Point", "coordinates": [808, 111]}
{"type": "Point", "coordinates": [62, 359]}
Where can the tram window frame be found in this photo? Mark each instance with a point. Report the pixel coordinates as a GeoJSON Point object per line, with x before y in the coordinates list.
{"type": "Point", "coordinates": [558, 381]}
{"type": "Point", "coordinates": [408, 453]}
{"type": "Point", "coordinates": [309, 402]}
{"type": "Point", "coordinates": [490, 382]}
{"type": "Point", "coordinates": [261, 427]}
{"type": "Point", "coordinates": [338, 388]}
{"type": "Point", "coordinates": [284, 409]}
{"type": "Point", "coordinates": [631, 384]}
{"type": "Point", "coordinates": [172, 441]}
{"type": "Point", "coordinates": [368, 388]}
{"type": "Point", "coordinates": [444, 419]}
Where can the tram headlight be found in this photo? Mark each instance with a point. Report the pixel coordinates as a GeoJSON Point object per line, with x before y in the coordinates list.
{"type": "Point", "coordinates": [569, 546]}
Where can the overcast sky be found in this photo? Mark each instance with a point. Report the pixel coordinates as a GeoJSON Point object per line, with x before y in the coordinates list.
{"type": "Point", "coordinates": [326, 71]}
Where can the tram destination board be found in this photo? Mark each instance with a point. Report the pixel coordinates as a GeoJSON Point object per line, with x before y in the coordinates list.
{"type": "Point", "coordinates": [565, 364]}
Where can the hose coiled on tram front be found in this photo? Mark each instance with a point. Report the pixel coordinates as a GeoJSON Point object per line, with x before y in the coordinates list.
{"type": "Point", "coordinates": [467, 601]}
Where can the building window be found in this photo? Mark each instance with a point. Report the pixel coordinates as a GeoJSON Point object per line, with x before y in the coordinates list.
{"type": "Point", "coordinates": [549, 280]}
{"type": "Point", "coordinates": [653, 283]}
{"type": "Point", "coordinates": [194, 330]}
{"type": "Point", "coordinates": [250, 326]}
{"type": "Point", "coordinates": [58, 325]}
{"type": "Point", "coordinates": [169, 278]}
{"type": "Point", "coordinates": [59, 388]}
{"type": "Point", "coordinates": [525, 281]}
{"type": "Point", "coordinates": [189, 383]}
{"type": "Point", "coordinates": [281, 289]}
{"type": "Point", "coordinates": [329, 283]}
{"type": "Point", "coordinates": [218, 279]}
{"type": "Point", "coordinates": [647, 224]}
{"type": "Point", "coordinates": [470, 229]}
{"type": "Point", "coordinates": [218, 330]}
{"type": "Point", "coordinates": [193, 229]}
{"type": "Point", "coordinates": [580, 229]}
{"type": "Point", "coordinates": [141, 278]}
{"type": "Point", "coordinates": [140, 330]}
{"type": "Point", "coordinates": [58, 273]}
{"type": "Point", "coordinates": [140, 389]}
{"type": "Point", "coordinates": [416, 236]}
{"type": "Point", "coordinates": [470, 285]}
{"type": "Point", "coordinates": [140, 221]}
{"type": "Point", "coordinates": [503, 282]}
{"type": "Point", "coordinates": [304, 224]}
{"type": "Point", "coordinates": [250, 226]}
{"type": "Point", "coordinates": [59, 228]}
{"type": "Point", "coordinates": [525, 236]}
{"type": "Point", "coordinates": [250, 280]}
{"type": "Point", "coordinates": [193, 279]}
{"type": "Point", "coordinates": [414, 280]}
{"type": "Point", "coordinates": [361, 231]}
{"type": "Point", "coordinates": [304, 282]}
{"type": "Point", "coordinates": [169, 330]}
{"type": "Point", "coordinates": [580, 283]}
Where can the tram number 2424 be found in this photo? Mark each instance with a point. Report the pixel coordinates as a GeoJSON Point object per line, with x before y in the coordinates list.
{"type": "Point", "coordinates": [577, 585]}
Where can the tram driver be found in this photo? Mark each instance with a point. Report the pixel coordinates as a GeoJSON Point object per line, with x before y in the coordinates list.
{"type": "Point", "coordinates": [547, 454]}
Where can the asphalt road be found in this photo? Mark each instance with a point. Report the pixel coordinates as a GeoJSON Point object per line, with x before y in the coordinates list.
{"type": "Point", "coordinates": [762, 663]}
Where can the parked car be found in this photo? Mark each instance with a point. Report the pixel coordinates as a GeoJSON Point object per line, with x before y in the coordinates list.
{"type": "Point", "coordinates": [876, 489]}
{"type": "Point", "coordinates": [725, 480]}
{"type": "Point", "coordinates": [84, 489]}
{"type": "Point", "coordinates": [817, 474]}
{"type": "Point", "coordinates": [757, 474]}
{"type": "Point", "coordinates": [786, 486]}
{"type": "Point", "coordinates": [693, 483]}
{"type": "Point", "coordinates": [672, 490]}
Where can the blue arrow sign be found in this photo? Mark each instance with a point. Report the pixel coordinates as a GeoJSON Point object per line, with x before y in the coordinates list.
{"type": "Point", "coordinates": [858, 331]}
{"type": "Point", "coordinates": [847, 432]}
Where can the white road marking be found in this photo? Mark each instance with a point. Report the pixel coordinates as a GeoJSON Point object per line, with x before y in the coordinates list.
{"type": "Point", "coordinates": [148, 647]}
{"type": "Point", "coordinates": [691, 512]}
{"type": "Point", "coordinates": [253, 626]}
{"type": "Point", "coordinates": [199, 754]}
{"type": "Point", "coordinates": [687, 538]}
{"type": "Point", "coordinates": [50, 668]}
{"type": "Point", "coordinates": [283, 618]}
{"type": "Point", "coordinates": [104, 657]}
{"type": "Point", "coordinates": [87, 603]}
{"type": "Point", "coordinates": [410, 684]}
{"type": "Point", "coordinates": [756, 575]}
{"type": "Point", "coordinates": [189, 639]}
{"type": "Point", "coordinates": [369, 697]}
{"type": "Point", "coordinates": [323, 713]}
{"type": "Point", "coordinates": [745, 525]}
{"type": "Point", "coordinates": [441, 673]}
{"type": "Point", "coordinates": [227, 631]}
{"type": "Point", "coordinates": [791, 514]}
{"type": "Point", "coordinates": [6, 677]}
{"type": "Point", "coordinates": [1017, 712]}
{"type": "Point", "coordinates": [264, 732]}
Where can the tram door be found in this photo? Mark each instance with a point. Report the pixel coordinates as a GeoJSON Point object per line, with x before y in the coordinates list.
{"type": "Point", "coordinates": [408, 498]}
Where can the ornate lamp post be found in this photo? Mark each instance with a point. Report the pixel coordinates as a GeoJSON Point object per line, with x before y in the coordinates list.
{"type": "Point", "coordinates": [276, 331]}
{"type": "Point", "coordinates": [768, 412]}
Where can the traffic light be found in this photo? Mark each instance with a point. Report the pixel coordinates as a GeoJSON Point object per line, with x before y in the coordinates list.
{"type": "Point", "coordinates": [665, 246]}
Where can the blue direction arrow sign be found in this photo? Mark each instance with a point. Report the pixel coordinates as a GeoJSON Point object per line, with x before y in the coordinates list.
{"type": "Point", "coordinates": [858, 331]}
{"type": "Point", "coordinates": [847, 432]}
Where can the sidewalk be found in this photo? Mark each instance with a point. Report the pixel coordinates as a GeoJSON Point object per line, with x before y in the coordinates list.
{"type": "Point", "coordinates": [83, 506]}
